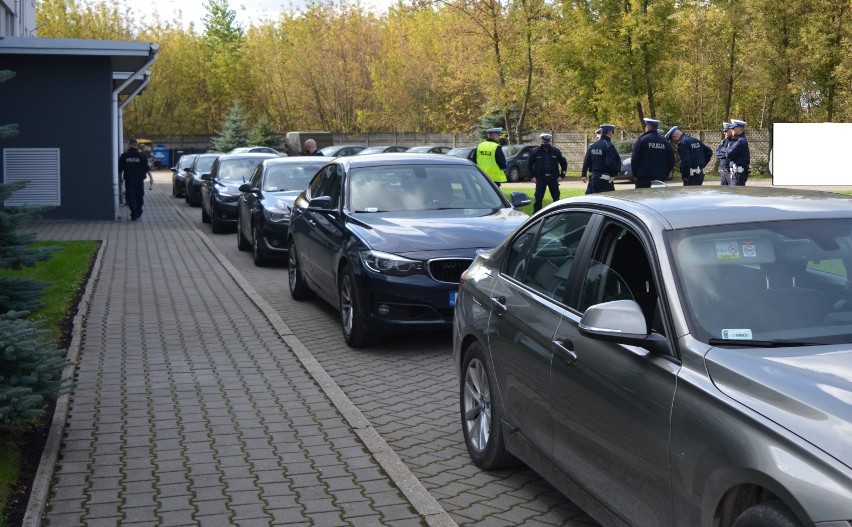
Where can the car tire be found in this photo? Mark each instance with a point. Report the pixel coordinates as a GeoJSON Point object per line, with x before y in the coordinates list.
{"type": "Point", "coordinates": [175, 192]}
{"type": "Point", "coordinates": [242, 243]}
{"type": "Point", "coordinates": [354, 328]}
{"type": "Point", "coordinates": [257, 253]}
{"type": "Point", "coordinates": [205, 218]}
{"type": "Point", "coordinates": [767, 514]}
{"type": "Point", "coordinates": [514, 174]}
{"type": "Point", "coordinates": [299, 290]}
{"type": "Point", "coordinates": [186, 196]}
{"type": "Point", "coordinates": [481, 413]}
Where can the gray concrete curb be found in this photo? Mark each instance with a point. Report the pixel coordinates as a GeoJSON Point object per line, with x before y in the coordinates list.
{"type": "Point", "coordinates": [49, 456]}
{"type": "Point", "coordinates": [423, 502]}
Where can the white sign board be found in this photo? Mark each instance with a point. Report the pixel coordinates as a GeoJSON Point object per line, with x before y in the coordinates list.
{"type": "Point", "coordinates": [811, 154]}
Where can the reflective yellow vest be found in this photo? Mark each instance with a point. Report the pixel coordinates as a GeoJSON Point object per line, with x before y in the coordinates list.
{"type": "Point", "coordinates": [485, 159]}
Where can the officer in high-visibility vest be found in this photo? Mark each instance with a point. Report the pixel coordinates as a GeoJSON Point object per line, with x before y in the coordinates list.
{"type": "Point", "coordinates": [489, 156]}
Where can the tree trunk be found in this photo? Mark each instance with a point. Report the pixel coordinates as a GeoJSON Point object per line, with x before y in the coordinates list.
{"type": "Point", "coordinates": [731, 61]}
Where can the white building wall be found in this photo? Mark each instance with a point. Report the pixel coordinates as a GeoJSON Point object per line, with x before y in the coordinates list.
{"type": "Point", "coordinates": [17, 18]}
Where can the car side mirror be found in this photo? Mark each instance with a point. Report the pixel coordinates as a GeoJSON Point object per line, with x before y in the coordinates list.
{"type": "Point", "coordinates": [519, 199]}
{"type": "Point", "coordinates": [206, 177]}
{"type": "Point", "coordinates": [321, 204]}
{"type": "Point", "coordinates": [246, 187]}
{"type": "Point", "coordinates": [623, 322]}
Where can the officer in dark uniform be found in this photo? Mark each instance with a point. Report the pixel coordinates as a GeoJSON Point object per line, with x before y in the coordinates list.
{"type": "Point", "coordinates": [585, 171]}
{"type": "Point", "coordinates": [694, 156]}
{"type": "Point", "coordinates": [652, 157]}
{"type": "Point", "coordinates": [547, 166]}
{"type": "Point", "coordinates": [738, 153]}
{"type": "Point", "coordinates": [133, 167]}
{"type": "Point", "coordinates": [604, 162]}
{"type": "Point", "coordinates": [722, 155]}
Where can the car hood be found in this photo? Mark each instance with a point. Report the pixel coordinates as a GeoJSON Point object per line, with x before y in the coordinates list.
{"type": "Point", "coordinates": [807, 390]}
{"type": "Point", "coordinates": [282, 199]}
{"type": "Point", "coordinates": [451, 233]}
{"type": "Point", "coordinates": [228, 186]}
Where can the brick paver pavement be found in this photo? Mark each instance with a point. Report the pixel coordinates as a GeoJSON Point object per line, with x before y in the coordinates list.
{"type": "Point", "coordinates": [194, 405]}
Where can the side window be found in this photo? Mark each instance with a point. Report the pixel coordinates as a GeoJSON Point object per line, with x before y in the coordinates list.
{"type": "Point", "coordinates": [621, 270]}
{"type": "Point", "coordinates": [318, 182]}
{"type": "Point", "coordinates": [554, 251]}
{"type": "Point", "coordinates": [543, 259]}
{"type": "Point", "coordinates": [255, 178]}
{"type": "Point", "coordinates": [214, 170]}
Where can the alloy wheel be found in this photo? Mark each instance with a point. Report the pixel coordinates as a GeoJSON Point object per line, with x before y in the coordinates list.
{"type": "Point", "coordinates": [477, 405]}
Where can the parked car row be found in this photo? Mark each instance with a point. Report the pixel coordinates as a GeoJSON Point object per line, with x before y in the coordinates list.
{"type": "Point", "coordinates": [664, 357]}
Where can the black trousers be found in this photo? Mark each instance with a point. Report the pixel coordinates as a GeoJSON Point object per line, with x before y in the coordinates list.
{"type": "Point", "coordinates": [545, 183]}
{"type": "Point", "coordinates": [596, 184]}
{"type": "Point", "coordinates": [135, 196]}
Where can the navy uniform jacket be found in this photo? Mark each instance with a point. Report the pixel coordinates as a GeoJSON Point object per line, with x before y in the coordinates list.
{"type": "Point", "coordinates": [738, 152]}
{"type": "Point", "coordinates": [693, 155]}
{"type": "Point", "coordinates": [133, 165]}
{"type": "Point", "coordinates": [722, 154]}
{"type": "Point", "coordinates": [547, 160]}
{"type": "Point", "coordinates": [652, 157]}
{"type": "Point", "coordinates": [602, 158]}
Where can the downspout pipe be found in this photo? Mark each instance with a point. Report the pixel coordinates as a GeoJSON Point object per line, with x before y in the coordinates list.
{"type": "Point", "coordinates": [117, 130]}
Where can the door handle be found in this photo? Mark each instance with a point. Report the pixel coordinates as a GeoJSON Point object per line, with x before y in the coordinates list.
{"type": "Point", "coordinates": [565, 350]}
{"type": "Point", "coordinates": [313, 223]}
{"type": "Point", "coordinates": [500, 303]}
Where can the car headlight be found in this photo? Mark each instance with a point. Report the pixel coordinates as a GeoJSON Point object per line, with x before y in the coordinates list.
{"type": "Point", "coordinates": [276, 215]}
{"type": "Point", "coordinates": [390, 264]}
{"type": "Point", "coordinates": [227, 198]}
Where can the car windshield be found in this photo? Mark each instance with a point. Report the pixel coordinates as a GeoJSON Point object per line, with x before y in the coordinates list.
{"type": "Point", "coordinates": [237, 169]}
{"type": "Point", "coordinates": [421, 187]}
{"type": "Point", "coordinates": [289, 177]}
{"type": "Point", "coordinates": [766, 282]}
{"type": "Point", "coordinates": [419, 149]}
{"type": "Point", "coordinates": [204, 163]}
{"type": "Point", "coordinates": [330, 151]}
{"type": "Point", "coordinates": [372, 150]}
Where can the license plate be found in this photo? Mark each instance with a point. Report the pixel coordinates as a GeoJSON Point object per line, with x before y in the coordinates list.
{"type": "Point", "coordinates": [453, 298]}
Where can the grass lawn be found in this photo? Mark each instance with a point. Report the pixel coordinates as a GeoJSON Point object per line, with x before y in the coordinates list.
{"type": "Point", "coordinates": [507, 189]}
{"type": "Point", "coordinates": [64, 276]}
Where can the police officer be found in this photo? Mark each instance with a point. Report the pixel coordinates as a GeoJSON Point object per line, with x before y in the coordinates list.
{"type": "Point", "coordinates": [694, 156]}
{"type": "Point", "coordinates": [738, 153]}
{"type": "Point", "coordinates": [604, 162]}
{"type": "Point", "coordinates": [722, 155]}
{"type": "Point", "coordinates": [133, 167]}
{"type": "Point", "coordinates": [489, 157]}
{"type": "Point", "coordinates": [547, 166]}
{"type": "Point", "coordinates": [652, 157]}
{"type": "Point", "coordinates": [585, 171]}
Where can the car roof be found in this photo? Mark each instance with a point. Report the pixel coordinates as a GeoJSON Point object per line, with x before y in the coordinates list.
{"type": "Point", "coordinates": [685, 207]}
{"type": "Point", "coordinates": [246, 155]}
{"type": "Point", "coordinates": [401, 158]}
{"type": "Point", "coordinates": [297, 160]}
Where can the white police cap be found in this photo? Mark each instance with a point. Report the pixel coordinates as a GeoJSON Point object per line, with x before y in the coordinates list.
{"type": "Point", "coordinates": [497, 130]}
{"type": "Point", "coordinates": [727, 126]}
{"type": "Point", "coordinates": [546, 137]}
{"type": "Point", "coordinates": [672, 130]}
{"type": "Point", "coordinates": [651, 122]}
{"type": "Point", "coordinates": [736, 123]}
{"type": "Point", "coordinates": [607, 128]}
{"type": "Point", "coordinates": [598, 131]}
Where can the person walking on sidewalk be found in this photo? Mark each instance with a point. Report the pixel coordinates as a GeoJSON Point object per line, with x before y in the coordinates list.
{"type": "Point", "coordinates": [547, 166]}
{"type": "Point", "coordinates": [603, 161]}
{"type": "Point", "coordinates": [652, 157]}
{"type": "Point", "coordinates": [133, 168]}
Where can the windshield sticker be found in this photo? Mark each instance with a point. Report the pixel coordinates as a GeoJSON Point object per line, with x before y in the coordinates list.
{"type": "Point", "coordinates": [734, 250]}
{"type": "Point", "coordinates": [736, 334]}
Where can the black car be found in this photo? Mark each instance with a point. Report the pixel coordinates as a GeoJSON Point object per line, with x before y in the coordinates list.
{"type": "Point", "coordinates": [386, 237]}
{"type": "Point", "coordinates": [179, 171]}
{"type": "Point", "coordinates": [220, 189]}
{"type": "Point", "coordinates": [382, 150]}
{"type": "Point", "coordinates": [463, 151]}
{"type": "Point", "coordinates": [263, 210]}
{"type": "Point", "coordinates": [200, 166]}
{"type": "Point", "coordinates": [517, 157]}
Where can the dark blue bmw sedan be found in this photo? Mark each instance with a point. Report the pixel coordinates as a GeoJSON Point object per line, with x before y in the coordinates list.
{"type": "Point", "coordinates": [384, 238]}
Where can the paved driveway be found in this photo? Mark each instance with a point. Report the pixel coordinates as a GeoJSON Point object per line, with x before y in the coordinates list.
{"type": "Point", "coordinates": [406, 387]}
